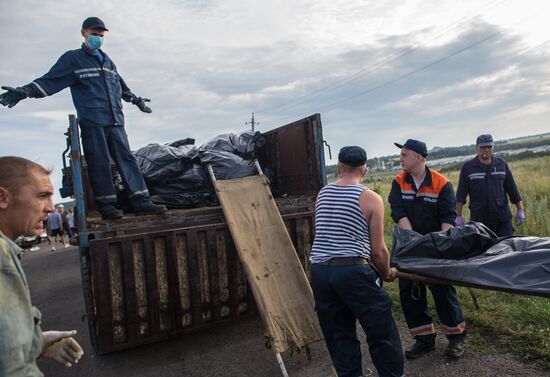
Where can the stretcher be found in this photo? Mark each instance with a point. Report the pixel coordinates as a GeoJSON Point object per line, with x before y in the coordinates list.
{"type": "Point", "coordinates": [273, 270]}
{"type": "Point", "coordinates": [473, 257]}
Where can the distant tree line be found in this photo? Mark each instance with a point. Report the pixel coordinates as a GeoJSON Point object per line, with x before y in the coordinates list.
{"type": "Point", "coordinates": [499, 146]}
{"type": "Point", "coordinates": [465, 150]}
{"type": "Point", "coordinates": [509, 158]}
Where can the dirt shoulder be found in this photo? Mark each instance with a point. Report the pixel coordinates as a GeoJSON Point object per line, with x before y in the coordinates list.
{"type": "Point", "coordinates": [234, 350]}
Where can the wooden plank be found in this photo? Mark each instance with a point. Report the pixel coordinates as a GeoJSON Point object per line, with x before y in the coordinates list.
{"type": "Point", "coordinates": [130, 302]}
{"type": "Point", "coordinates": [275, 275]}
{"type": "Point", "coordinates": [140, 284]}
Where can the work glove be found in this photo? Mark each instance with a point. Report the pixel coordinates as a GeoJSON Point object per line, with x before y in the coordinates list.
{"type": "Point", "coordinates": [520, 217]}
{"type": "Point", "coordinates": [12, 96]}
{"type": "Point", "coordinates": [459, 221]}
{"type": "Point", "coordinates": [140, 103]}
{"type": "Point", "coordinates": [61, 347]}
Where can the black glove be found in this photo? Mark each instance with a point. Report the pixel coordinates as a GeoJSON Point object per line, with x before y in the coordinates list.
{"type": "Point", "coordinates": [140, 103]}
{"type": "Point", "coordinates": [12, 96]}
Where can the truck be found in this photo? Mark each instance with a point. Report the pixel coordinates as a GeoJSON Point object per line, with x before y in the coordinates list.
{"type": "Point", "coordinates": [149, 278]}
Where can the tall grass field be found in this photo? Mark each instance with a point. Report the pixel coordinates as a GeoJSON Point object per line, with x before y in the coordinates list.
{"type": "Point", "coordinates": [504, 322]}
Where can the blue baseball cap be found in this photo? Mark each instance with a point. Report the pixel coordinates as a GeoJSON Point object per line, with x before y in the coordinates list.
{"type": "Point", "coordinates": [352, 156]}
{"type": "Point", "coordinates": [485, 141]}
{"type": "Point", "coordinates": [414, 145]}
{"type": "Point", "coordinates": [93, 23]}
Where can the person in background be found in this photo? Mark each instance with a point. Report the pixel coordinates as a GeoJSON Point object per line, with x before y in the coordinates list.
{"type": "Point", "coordinates": [488, 181]}
{"type": "Point", "coordinates": [64, 221]}
{"type": "Point", "coordinates": [423, 200]}
{"type": "Point", "coordinates": [72, 222]}
{"type": "Point", "coordinates": [25, 201]}
{"type": "Point", "coordinates": [46, 228]}
{"type": "Point", "coordinates": [55, 224]}
{"type": "Point", "coordinates": [349, 259]}
{"type": "Point", "coordinates": [97, 89]}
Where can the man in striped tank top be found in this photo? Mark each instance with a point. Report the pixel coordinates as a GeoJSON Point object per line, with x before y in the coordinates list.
{"type": "Point", "coordinates": [423, 200]}
{"type": "Point", "coordinates": [349, 259]}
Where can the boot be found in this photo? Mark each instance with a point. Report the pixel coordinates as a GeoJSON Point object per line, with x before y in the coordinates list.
{"type": "Point", "coordinates": [110, 213]}
{"type": "Point", "coordinates": [419, 349]}
{"type": "Point", "coordinates": [455, 349]}
{"type": "Point", "coordinates": [151, 209]}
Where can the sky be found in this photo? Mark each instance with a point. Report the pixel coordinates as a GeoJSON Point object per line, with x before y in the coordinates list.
{"type": "Point", "coordinates": [378, 72]}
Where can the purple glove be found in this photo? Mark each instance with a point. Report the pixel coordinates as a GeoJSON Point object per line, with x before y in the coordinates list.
{"type": "Point", "coordinates": [459, 221]}
{"type": "Point", "coordinates": [520, 216]}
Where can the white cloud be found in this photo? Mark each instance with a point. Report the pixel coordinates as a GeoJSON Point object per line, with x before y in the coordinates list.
{"type": "Point", "coordinates": [207, 65]}
{"type": "Point", "coordinates": [517, 114]}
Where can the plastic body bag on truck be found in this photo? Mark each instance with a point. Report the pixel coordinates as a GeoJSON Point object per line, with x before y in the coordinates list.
{"type": "Point", "coordinates": [227, 165]}
{"type": "Point", "coordinates": [190, 189]}
{"type": "Point", "coordinates": [246, 144]}
{"type": "Point", "coordinates": [162, 163]}
{"type": "Point", "coordinates": [475, 256]}
{"type": "Point", "coordinates": [175, 174]}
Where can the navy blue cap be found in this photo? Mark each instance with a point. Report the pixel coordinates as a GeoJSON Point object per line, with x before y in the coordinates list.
{"type": "Point", "coordinates": [93, 23]}
{"type": "Point", "coordinates": [485, 141]}
{"type": "Point", "coordinates": [414, 145]}
{"type": "Point", "coordinates": [352, 156]}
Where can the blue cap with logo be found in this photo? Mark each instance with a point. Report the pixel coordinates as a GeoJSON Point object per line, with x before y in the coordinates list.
{"type": "Point", "coordinates": [485, 141]}
{"type": "Point", "coordinates": [414, 145]}
{"type": "Point", "coordinates": [352, 156]}
{"type": "Point", "coordinates": [93, 23]}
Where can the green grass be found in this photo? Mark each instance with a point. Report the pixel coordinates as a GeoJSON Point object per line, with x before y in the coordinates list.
{"type": "Point", "coordinates": [504, 322]}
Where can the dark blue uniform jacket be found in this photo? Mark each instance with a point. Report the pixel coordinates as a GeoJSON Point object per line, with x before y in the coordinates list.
{"type": "Point", "coordinates": [97, 89]}
{"type": "Point", "coordinates": [488, 186]}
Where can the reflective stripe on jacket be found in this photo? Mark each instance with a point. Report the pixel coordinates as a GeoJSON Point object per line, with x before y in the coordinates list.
{"type": "Point", "coordinates": [427, 207]}
{"type": "Point", "coordinates": [97, 89]}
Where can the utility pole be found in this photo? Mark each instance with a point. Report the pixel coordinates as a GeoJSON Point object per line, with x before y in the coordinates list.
{"type": "Point", "coordinates": [252, 122]}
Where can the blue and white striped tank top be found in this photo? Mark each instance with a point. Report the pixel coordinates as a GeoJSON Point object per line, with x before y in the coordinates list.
{"type": "Point", "coordinates": [340, 226]}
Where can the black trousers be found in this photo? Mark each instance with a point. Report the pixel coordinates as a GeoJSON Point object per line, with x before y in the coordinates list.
{"type": "Point", "coordinates": [418, 315]}
{"type": "Point", "coordinates": [345, 294]}
{"type": "Point", "coordinates": [502, 229]}
{"type": "Point", "coordinates": [100, 144]}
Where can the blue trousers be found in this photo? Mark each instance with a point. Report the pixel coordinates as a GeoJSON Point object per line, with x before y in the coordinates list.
{"type": "Point", "coordinates": [100, 144]}
{"type": "Point", "coordinates": [343, 295]}
{"type": "Point", "coordinates": [418, 315]}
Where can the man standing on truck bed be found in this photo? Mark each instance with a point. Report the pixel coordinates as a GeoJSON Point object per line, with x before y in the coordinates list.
{"type": "Point", "coordinates": [347, 258]}
{"type": "Point", "coordinates": [423, 200]}
{"type": "Point", "coordinates": [97, 90]}
{"type": "Point", "coordinates": [489, 182]}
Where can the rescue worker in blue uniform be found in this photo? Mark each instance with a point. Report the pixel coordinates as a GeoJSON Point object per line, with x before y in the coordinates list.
{"type": "Point", "coordinates": [489, 183]}
{"type": "Point", "coordinates": [423, 200]}
{"type": "Point", "coordinates": [97, 90]}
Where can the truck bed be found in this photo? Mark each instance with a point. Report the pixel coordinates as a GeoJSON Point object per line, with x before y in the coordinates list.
{"type": "Point", "coordinates": [131, 224]}
{"type": "Point", "coordinates": [147, 278]}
